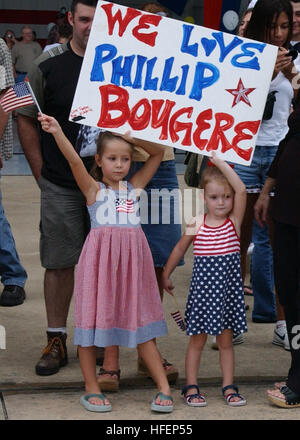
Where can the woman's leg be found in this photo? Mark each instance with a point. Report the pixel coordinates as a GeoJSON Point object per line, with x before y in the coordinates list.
{"type": "Point", "coordinates": [110, 363]}
{"type": "Point", "coordinates": [192, 362]}
{"type": "Point", "coordinates": [246, 231]}
{"type": "Point", "coordinates": [87, 358]}
{"type": "Point", "coordinates": [150, 355]}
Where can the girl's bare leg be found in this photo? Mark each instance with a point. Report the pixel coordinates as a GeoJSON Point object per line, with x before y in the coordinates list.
{"type": "Point", "coordinates": [192, 362]}
{"type": "Point", "coordinates": [87, 358]}
{"type": "Point", "coordinates": [226, 356]}
{"type": "Point", "coordinates": [149, 353]}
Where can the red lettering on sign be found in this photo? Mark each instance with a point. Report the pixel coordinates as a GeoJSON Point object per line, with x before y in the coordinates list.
{"type": "Point", "coordinates": [176, 126]}
{"type": "Point", "coordinates": [157, 113]}
{"type": "Point", "coordinates": [120, 104]}
{"type": "Point", "coordinates": [163, 120]}
{"type": "Point", "coordinates": [140, 122]}
{"type": "Point", "coordinates": [144, 22]}
{"type": "Point", "coordinates": [218, 133]}
{"type": "Point", "coordinates": [123, 22]}
{"type": "Point", "coordinates": [201, 126]}
{"type": "Point", "coordinates": [252, 126]}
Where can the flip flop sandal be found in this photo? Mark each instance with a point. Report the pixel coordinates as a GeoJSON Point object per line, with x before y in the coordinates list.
{"type": "Point", "coordinates": [279, 385]}
{"type": "Point", "coordinates": [162, 408]}
{"type": "Point", "coordinates": [108, 383]}
{"type": "Point", "coordinates": [190, 397]}
{"type": "Point", "coordinates": [290, 400]}
{"type": "Point", "coordinates": [84, 400]}
{"type": "Point", "coordinates": [230, 396]}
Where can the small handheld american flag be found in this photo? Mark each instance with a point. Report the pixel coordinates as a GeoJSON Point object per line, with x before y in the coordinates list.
{"type": "Point", "coordinates": [15, 97]}
{"type": "Point", "coordinates": [178, 317]}
{"type": "Point", "coordinates": [179, 320]}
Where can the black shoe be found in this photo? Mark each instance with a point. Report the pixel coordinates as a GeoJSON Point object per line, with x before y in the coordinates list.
{"type": "Point", "coordinates": [264, 321]}
{"type": "Point", "coordinates": [12, 296]}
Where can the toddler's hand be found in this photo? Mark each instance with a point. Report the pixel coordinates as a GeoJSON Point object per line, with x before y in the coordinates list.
{"type": "Point", "coordinates": [167, 285]}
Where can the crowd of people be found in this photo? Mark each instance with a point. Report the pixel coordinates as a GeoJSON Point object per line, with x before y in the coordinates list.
{"type": "Point", "coordinates": [243, 205]}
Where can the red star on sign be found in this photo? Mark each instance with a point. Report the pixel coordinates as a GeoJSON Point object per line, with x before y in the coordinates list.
{"type": "Point", "coordinates": [240, 93]}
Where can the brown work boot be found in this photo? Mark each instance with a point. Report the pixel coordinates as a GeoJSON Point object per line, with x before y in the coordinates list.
{"type": "Point", "coordinates": [54, 355]}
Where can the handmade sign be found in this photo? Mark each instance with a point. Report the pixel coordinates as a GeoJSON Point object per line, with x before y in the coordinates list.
{"type": "Point", "coordinates": [173, 83]}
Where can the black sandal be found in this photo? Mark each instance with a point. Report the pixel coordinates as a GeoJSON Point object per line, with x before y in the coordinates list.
{"type": "Point", "coordinates": [197, 395]}
{"type": "Point", "coordinates": [229, 396]}
{"type": "Point", "coordinates": [291, 399]}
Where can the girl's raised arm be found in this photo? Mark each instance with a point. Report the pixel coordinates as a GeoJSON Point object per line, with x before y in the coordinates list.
{"type": "Point", "coordinates": [240, 193]}
{"type": "Point", "coordinates": [86, 183]}
{"type": "Point", "coordinates": [145, 174]}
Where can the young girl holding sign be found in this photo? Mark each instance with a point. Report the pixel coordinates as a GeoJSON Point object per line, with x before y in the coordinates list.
{"type": "Point", "coordinates": [117, 300]}
{"type": "Point", "coordinates": [216, 302]}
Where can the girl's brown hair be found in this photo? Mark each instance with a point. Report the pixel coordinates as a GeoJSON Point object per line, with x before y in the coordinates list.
{"type": "Point", "coordinates": [212, 174]}
{"type": "Point", "coordinates": [103, 138]}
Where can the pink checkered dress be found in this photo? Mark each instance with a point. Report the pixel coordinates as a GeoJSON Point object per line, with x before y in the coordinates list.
{"type": "Point", "coordinates": [117, 300]}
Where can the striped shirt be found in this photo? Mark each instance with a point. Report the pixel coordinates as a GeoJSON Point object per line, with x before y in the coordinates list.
{"type": "Point", "coordinates": [218, 240]}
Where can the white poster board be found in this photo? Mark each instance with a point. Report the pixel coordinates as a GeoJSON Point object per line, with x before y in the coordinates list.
{"type": "Point", "coordinates": [173, 83]}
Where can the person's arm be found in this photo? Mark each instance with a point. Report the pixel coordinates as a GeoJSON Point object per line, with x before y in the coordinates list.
{"type": "Point", "coordinates": [3, 122]}
{"type": "Point", "coordinates": [30, 141]}
{"type": "Point", "coordinates": [240, 193]}
{"type": "Point", "coordinates": [85, 181]}
{"type": "Point", "coordinates": [145, 174]}
{"type": "Point", "coordinates": [261, 206]}
{"type": "Point", "coordinates": [179, 251]}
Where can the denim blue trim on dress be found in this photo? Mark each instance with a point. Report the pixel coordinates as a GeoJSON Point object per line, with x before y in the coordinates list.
{"type": "Point", "coordinates": [117, 336]}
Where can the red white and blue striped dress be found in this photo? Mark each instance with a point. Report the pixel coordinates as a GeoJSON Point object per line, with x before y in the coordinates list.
{"type": "Point", "coordinates": [216, 297]}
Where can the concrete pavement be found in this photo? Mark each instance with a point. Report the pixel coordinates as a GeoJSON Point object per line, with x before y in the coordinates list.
{"type": "Point", "coordinates": [28, 396]}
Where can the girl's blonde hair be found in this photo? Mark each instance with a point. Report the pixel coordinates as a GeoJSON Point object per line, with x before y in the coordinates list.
{"type": "Point", "coordinates": [213, 174]}
{"type": "Point", "coordinates": [103, 138]}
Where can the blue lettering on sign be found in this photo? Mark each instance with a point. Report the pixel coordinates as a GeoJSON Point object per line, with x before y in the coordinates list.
{"type": "Point", "coordinates": [201, 82]}
{"type": "Point", "coordinates": [97, 71]}
{"type": "Point", "coordinates": [150, 83]}
{"type": "Point", "coordinates": [168, 83]}
{"type": "Point", "coordinates": [124, 71]}
{"type": "Point", "coordinates": [193, 49]}
{"type": "Point", "coordinates": [141, 61]}
{"type": "Point", "coordinates": [253, 62]}
{"type": "Point", "coordinates": [181, 88]}
{"type": "Point", "coordinates": [225, 50]}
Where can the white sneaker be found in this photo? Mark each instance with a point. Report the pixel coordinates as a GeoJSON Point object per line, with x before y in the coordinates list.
{"type": "Point", "coordinates": [236, 340]}
{"type": "Point", "coordinates": [280, 337]}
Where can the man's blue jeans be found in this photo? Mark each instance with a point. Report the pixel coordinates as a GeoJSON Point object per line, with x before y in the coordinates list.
{"type": "Point", "coordinates": [11, 270]}
{"type": "Point", "coordinates": [264, 307]}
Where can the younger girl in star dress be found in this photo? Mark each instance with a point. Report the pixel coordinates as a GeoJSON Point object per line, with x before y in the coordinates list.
{"type": "Point", "coordinates": [117, 300]}
{"type": "Point", "coordinates": [215, 304]}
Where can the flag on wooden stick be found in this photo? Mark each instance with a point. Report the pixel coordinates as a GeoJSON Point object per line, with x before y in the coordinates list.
{"type": "Point", "coordinates": [15, 97]}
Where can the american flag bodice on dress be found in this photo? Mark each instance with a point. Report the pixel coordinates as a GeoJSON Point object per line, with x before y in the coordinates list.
{"type": "Point", "coordinates": [115, 208]}
{"type": "Point", "coordinates": [218, 240]}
